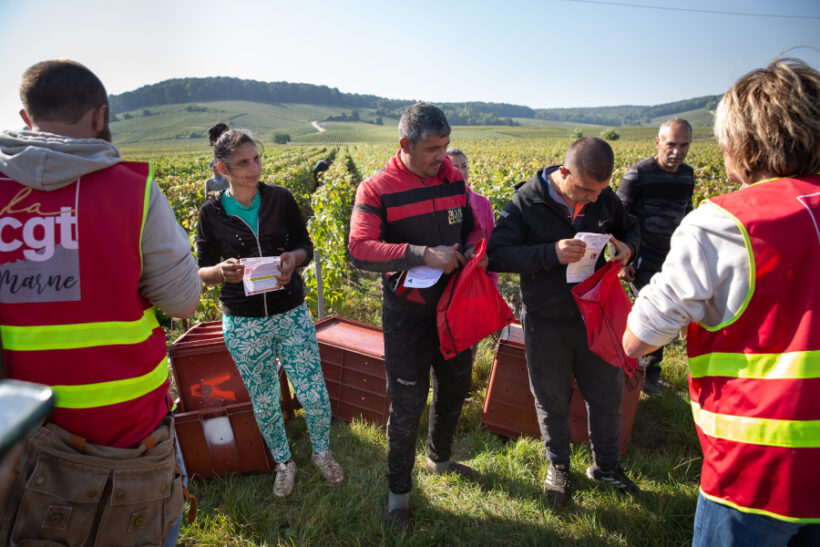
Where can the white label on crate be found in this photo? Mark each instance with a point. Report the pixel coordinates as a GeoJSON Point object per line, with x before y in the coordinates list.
{"type": "Point", "coordinates": [218, 430]}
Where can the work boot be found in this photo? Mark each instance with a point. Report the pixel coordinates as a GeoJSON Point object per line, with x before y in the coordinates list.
{"type": "Point", "coordinates": [285, 479]}
{"type": "Point", "coordinates": [652, 386]}
{"type": "Point", "coordinates": [440, 468]}
{"type": "Point", "coordinates": [397, 517]}
{"type": "Point", "coordinates": [557, 484]}
{"type": "Point", "coordinates": [398, 520]}
{"type": "Point", "coordinates": [615, 476]}
{"type": "Point", "coordinates": [331, 470]}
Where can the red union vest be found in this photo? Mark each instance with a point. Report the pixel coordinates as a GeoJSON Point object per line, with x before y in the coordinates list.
{"type": "Point", "coordinates": [71, 315]}
{"type": "Point", "coordinates": [755, 379]}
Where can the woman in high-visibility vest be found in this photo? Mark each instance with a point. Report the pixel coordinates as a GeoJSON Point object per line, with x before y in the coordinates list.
{"type": "Point", "coordinates": [742, 272]}
{"type": "Point", "coordinates": [264, 316]}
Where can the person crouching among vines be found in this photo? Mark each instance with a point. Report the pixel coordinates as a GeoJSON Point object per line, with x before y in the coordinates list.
{"type": "Point", "coordinates": [253, 219]}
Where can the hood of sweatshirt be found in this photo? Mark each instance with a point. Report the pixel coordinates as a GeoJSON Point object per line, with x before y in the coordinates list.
{"type": "Point", "coordinates": [44, 161]}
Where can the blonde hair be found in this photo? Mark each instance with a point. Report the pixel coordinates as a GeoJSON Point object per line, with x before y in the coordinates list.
{"type": "Point", "coordinates": [770, 120]}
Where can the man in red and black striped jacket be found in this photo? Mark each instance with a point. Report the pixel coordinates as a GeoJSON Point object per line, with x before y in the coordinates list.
{"type": "Point", "coordinates": [416, 212]}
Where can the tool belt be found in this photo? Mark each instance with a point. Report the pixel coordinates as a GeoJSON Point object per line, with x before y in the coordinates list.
{"type": "Point", "coordinates": [71, 492]}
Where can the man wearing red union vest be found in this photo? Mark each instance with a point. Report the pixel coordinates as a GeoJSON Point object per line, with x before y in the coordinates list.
{"type": "Point", "coordinates": [88, 247]}
{"type": "Point", "coordinates": [742, 272]}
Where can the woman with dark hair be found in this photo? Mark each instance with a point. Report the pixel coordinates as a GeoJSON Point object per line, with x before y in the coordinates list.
{"type": "Point", "coordinates": [217, 182]}
{"type": "Point", "coordinates": [253, 219]}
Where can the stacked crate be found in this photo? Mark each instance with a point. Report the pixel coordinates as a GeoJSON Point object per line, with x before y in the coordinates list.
{"type": "Point", "coordinates": [215, 424]}
{"type": "Point", "coordinates": [352, 356]}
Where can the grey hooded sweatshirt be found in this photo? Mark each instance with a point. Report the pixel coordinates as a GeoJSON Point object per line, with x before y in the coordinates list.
{"type": "Point", "coordinates": [47, 162]}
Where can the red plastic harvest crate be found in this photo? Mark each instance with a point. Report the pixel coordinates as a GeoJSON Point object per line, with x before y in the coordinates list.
{"type": "Point", "coordinates": [204, 371]}
{"type": "Point", "coordinates": [352, 356]}
{"type": "Point", "coordinates": [215, 424]}
{"type": "Point", "coordinates": [222, 441]}
{"type": "Point", "coordinates": [509, 407]}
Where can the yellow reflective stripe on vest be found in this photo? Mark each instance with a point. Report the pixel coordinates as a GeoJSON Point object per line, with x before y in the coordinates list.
{"type": "Point", "coordinates": [763, 366]}
{"type": "Point", "coordinates": [763, 431]}
{"type": "Point", "coordinates": [113, 392]}
{"type": "Point", "coordinates": [757, 511]}
{"type": "Point", "coordinates": [145, 203]}
{"type": "Point", "coordinates": [752, 273]}
{"type": "Point", "coordinates": [79, 335]}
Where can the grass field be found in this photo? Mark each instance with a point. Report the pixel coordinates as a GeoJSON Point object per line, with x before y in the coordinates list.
{"type": "Point", "coordinates": [505, 506]}
{"type": "Point", "coordinates": [177, 127]}
{"type": "Point", "coordinates": [699, 116]}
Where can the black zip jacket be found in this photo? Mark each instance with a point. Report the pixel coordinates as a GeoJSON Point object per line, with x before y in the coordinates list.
{"type": "Point", "coordinates": [220, 236]}
{"type": "Point", "coordinates": [524, 238]}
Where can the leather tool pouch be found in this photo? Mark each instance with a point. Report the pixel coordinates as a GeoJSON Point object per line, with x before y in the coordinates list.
{"type": "Point", "coordinates": [69, 492]}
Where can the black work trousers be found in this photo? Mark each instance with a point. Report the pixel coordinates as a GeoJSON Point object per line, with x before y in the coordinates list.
{"type": "Point", "coordinates": [411, 350]}
{"type": "Point", "coordinates": [557, 351]}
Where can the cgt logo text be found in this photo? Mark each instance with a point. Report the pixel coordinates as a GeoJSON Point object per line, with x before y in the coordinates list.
{"type": "Point", "coordinates": [35, 237]}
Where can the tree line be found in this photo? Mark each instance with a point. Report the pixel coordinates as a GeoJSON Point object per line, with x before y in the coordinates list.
{"type": "Point", "coordinates": [221, 88]}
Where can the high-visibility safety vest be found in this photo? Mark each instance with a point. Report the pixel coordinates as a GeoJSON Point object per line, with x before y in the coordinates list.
{"type": "Point", "coordinates": [755, 379]}
{"type": "Point", "coordinates": [71, 315]}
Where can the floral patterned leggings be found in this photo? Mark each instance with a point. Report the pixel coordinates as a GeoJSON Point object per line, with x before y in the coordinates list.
{"type": "Point", "coordinates": [255, 343]}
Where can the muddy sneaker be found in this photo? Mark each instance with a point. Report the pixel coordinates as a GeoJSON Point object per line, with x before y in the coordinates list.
{"type": "Point", "coordinates": [285, 479]}
{"type": "Point", "coordinates": [450, 466]}
{"type": "Point", "coordinates": [331, 470]}
{"type": "Point", "coordinates": [557, 484]}
{"type": "Point", "coordinates": [616, 477]}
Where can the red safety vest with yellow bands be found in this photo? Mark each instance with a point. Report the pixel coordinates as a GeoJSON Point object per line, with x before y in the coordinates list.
{"type": "Point", "coordinates": [71, 315]}
{"type": "Point", "coordinates": [755, 379]}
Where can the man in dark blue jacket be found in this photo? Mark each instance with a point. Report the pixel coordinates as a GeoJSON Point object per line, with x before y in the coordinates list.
{"type": "Point", "coordinates": [535, 237]}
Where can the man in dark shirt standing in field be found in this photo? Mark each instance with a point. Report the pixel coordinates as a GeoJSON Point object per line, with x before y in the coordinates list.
{"type": "Point", "coordinates": [416, 212]}
{"type": "Point", "coordinates": [658, 191]}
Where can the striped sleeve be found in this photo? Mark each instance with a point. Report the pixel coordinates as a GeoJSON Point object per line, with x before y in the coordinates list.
{"type": "Point", "coordinates": [367, 250]}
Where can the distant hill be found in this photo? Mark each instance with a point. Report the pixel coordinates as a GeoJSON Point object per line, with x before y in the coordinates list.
{"type": "Point", "coordinates": [628, 115]}
{"type": "Point", "coordinates": [180, 91]}
{"type": "Point", "coordinates": [186, 125]}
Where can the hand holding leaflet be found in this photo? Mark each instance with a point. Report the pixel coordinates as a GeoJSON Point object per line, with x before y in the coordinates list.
{"type": "Point", "coordinates": [578, 271]}
{"type": "Point", "coordinates": [261, 274]}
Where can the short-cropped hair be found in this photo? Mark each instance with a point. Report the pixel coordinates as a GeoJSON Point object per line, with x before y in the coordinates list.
{"type": "Point", "coordinates": [591, 157]}
{"type": "Point", "coordinates": [770, 120]}
{"type": "Point", "coordinates": [674, 122]}
{"type": "Point", "coordinates": [421, 121]}
{"type": "Point", "coordinates": [60, 91]}
{"type": "Point", "coordinates": [455, 151]}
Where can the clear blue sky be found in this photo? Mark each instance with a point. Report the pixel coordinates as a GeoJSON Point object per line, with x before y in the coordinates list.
{"type": "Point", "coordinates": [550, 53]}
